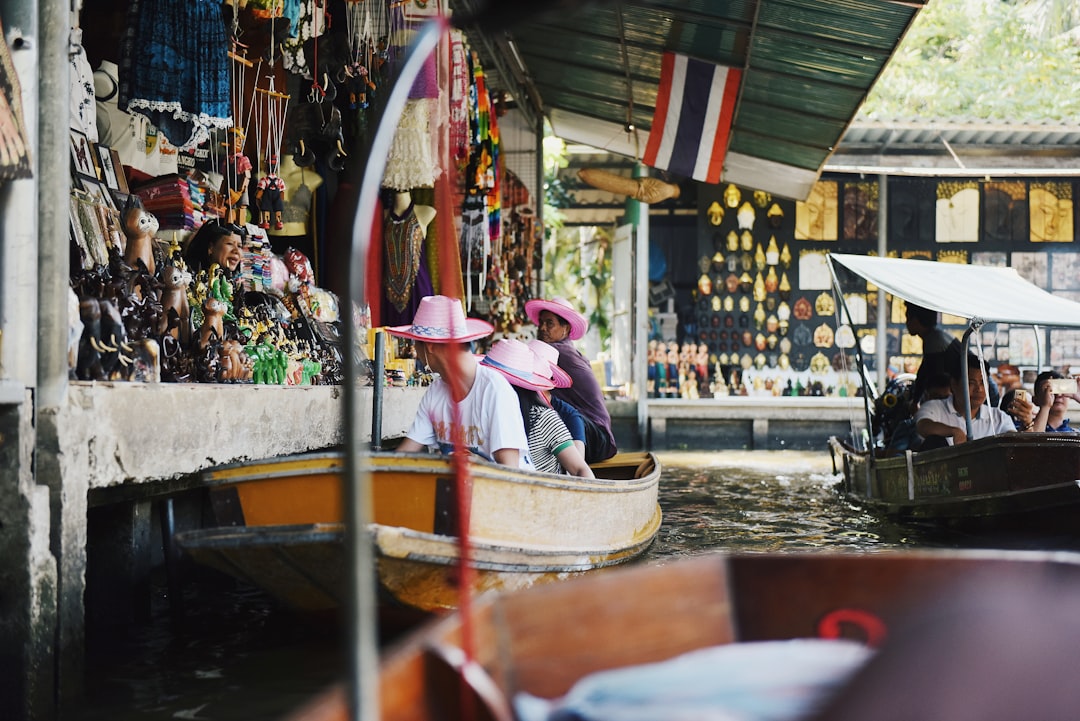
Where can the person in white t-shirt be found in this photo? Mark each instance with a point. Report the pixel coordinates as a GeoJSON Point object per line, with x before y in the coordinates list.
{"type": "Point", "coordinates": [490, 416]}
{"type": "Point", "coordinates": [941, 420]}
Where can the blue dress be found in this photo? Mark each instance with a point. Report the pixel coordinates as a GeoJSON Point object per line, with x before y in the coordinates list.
{"type": "Point", "coordinates": [174, 68]}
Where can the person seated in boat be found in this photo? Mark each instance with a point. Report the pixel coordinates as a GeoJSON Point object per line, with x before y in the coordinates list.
{"type": "Point", "coordinates": [559, 324]}
{"type": "Point", "coordinates": [904, 436]}
{"type": "Point", "coordinates": [551, 449]}
{"type": "Point", "coordinates": [1017, 403]}
{"type": "Point", "coordinates": [549, 368]}
{"type": "Point", "coordinates": [940, 348]}
{"type": "Point", "coordinates": [1053, 406]}
{"type": "Point", "coordinates": [941, 421]}
{"type": "Point", "coordinates": [489, 412]}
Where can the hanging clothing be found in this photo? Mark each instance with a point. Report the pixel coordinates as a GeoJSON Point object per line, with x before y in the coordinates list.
{"type": "Point", "coordinates": [410, 163]}
{"type": "Point", "coordinates": [174, 68]}
{"type": "Point", "coordinates": [83, 108]}
{"type": "Point", "coordinates": [407, 277]}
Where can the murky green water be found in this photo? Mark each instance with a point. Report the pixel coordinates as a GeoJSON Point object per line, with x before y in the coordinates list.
{"type": "Point", "coordinates": [238, 655]}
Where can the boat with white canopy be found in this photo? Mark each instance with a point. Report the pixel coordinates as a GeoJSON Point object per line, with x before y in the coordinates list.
{"type": "Point", "coordinates": [1011, 479]}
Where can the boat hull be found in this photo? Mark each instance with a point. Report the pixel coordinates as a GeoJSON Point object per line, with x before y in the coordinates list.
{"type": "Point", "coordinates": [1013, 479]}
{"type": "Point", "coordinates": [543, 640]}
{"type": "Point", "coordinates": [525, 527]}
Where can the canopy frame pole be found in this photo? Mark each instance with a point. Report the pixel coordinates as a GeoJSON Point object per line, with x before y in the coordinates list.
{"type": "Point", "coordinates": [867, 393]}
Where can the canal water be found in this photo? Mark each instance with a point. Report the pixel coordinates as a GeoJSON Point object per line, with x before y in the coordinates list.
{"type": "Point", "coordinates": [236, 654]}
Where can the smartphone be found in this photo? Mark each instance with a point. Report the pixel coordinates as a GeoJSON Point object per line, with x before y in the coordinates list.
{"type": "Point", "coordinates": [1062, 385]}
{"type": "Point", "coordinates": [1020, 394]}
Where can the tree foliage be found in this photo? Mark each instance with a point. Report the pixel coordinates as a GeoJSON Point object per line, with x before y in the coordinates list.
{"type": "Point", "coordinates": [1004, 60]}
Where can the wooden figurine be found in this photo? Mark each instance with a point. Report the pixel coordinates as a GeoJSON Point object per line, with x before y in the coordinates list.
{"type": "Point", "coordinates": [213, 329]}
{"type": "Point", "coordinates": [174, 298]}
{"type": "Point", "coordinates": [139, 229]}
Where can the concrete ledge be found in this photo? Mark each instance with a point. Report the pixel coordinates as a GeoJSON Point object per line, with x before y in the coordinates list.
{"type": "Point", "coordinates": [750, 407]}
{"type": "Point", "coordinates": [749, 423]}
{"type": "Point", "coordinates": [120, 433]}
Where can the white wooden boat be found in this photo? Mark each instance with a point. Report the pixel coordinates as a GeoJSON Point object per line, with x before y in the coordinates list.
{"type": "Point", "coordinates": [281, 525]}
{"type": "Point", "coordinates": [1010, 480]}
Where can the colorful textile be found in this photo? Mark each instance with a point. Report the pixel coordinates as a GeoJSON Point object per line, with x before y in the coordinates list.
{"type": "Point", "coordinates": [174, 68]}
{"type": "Point", "coordinates": [694, 109]}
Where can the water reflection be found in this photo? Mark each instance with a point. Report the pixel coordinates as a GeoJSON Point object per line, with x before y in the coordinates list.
{"type": "Point", "coordinates": [765, 501]}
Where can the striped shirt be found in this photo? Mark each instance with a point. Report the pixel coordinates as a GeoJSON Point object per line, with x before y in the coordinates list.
{"type": "Point", "coordinates": [548, 437]}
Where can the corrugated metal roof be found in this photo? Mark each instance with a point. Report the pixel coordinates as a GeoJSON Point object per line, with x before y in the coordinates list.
{"type": "Point", "coordinates": [807, 65]}
{"type": "Point", "coordinates": [892, 135]}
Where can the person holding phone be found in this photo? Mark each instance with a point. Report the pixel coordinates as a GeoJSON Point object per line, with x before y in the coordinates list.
{"type": "Point", "coordinates": [1052, 394]}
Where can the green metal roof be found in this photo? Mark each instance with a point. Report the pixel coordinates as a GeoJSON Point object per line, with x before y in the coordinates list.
{"type": "Point", "coordinates": [807, 66]}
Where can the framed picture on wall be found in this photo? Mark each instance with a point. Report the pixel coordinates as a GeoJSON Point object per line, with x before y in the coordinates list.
{"type": "Point", "coordinates": [98, 193]}
{"type": "Point", "coordinates": [112, 173]}
{"type": "Point", "coordinates": [82, 156]}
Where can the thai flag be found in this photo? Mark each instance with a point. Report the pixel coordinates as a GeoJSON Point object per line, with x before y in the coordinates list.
{"type": "Point", "coordinates": [694, 109]}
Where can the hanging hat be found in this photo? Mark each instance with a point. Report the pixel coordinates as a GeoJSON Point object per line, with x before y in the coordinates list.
{"type": "Point", "coordinates": [562, 308]}
{"type": "Point", "coordinates": [548, 355]}
{"type": "Point", "coordinates": [440, 319]}
{"type": "Point", "coordinates": [517, 362]}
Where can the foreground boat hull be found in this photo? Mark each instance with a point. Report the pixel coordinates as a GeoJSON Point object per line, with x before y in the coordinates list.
{"type": "Point", "coordinates": [1014, 479]}
{"type": "Point", "coordinates": [282, 525]}
{"type": "Point", "coordinates": [525, 642]}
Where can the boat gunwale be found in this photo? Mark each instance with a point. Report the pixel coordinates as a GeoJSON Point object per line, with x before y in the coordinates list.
{"type": "Point", "coordinates": [426, 464]}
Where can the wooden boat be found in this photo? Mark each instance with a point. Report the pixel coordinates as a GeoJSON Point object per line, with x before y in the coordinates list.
{"type": "Point", "coordinates": [543, 640]}
{"type": "Point", "coordinates": [1011, 480]}
{"type": "Point", "coordinates": [281, 525]}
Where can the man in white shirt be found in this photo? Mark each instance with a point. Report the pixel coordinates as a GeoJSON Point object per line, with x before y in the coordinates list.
{"type": "Point", "coordinates": [943, 418]}
{"type": "Point", "coordinates": [489, 413]}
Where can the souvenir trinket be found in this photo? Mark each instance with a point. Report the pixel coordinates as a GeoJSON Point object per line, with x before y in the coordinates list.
{"type": "Point", "coordinates": [746, 216]}
{"type": "Point", "coordinates": [823, 336]}
{"type": "Point", "coordinates": [775, 215]}
{"type": "Point", "coordinates": [825, 305]}
{"type": "Point", "coordinates": [716, 213]}
{"type": "Point", "coordinates": [772, 253]}
{"type": "Point", "coordinates": [803, 310]}
{"type": "Point", "coordinates": [759, 288]}
{"type": "Point", "coordinates": [772, 283]}
{"type": "Point", "coordinates": [732, 196]}
{"type": "Point", "coordinates": [759, 316]}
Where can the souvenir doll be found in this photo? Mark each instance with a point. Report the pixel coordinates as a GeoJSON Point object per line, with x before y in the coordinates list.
{"type": "Point", "coordinates": [237, 172]}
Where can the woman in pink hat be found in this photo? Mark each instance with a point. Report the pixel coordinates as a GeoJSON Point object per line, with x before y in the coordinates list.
{"type": "Point", "coordinates": [549, 368]}
{"type": "Point", "coordinates": [489, 412]}
{"type": "Point", "coordinates": [551, 448]}
{"type": "Point", "coordinates": [558, 324]}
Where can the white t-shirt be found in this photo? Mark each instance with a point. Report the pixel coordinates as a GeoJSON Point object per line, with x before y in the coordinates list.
{"type": "Point", "coordinates": [987, 422]}
{"type": "Point", "coordinates": [490, 414]}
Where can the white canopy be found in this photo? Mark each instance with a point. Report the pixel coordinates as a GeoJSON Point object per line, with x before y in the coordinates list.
{"type": "Point", "coordinates": [977, 292]}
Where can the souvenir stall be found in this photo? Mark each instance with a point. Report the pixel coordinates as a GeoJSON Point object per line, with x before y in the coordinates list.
{"type": "Point", "coordinates": [215, 152]}
{"type": "Point", "coordinates": [757, 315]}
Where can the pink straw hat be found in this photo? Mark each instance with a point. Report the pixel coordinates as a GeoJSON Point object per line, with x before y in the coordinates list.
{"type": "Point", "coordinates": [548, 356]}
{"type": "Point", "coordinates": [440, 319]}
{"type": "Point", "coordinates": [516, 361]}
{"type": "Point", "coordinates": [562, 308]}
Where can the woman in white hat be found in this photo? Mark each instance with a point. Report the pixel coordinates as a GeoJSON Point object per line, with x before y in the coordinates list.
{"type": "Point", "coordinates": [551, 448]}
{"type": "Point", "coordinates": [489, 412]}
{"type": "Point", "coordinates": [559, 324]}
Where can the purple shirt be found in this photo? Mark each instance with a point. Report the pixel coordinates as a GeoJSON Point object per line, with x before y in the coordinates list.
{"type": "Point", "coordinates": [585, 393]}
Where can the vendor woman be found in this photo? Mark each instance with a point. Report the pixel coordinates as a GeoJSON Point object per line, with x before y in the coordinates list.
{"type": "Point", "coordinates": [215, 243]}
